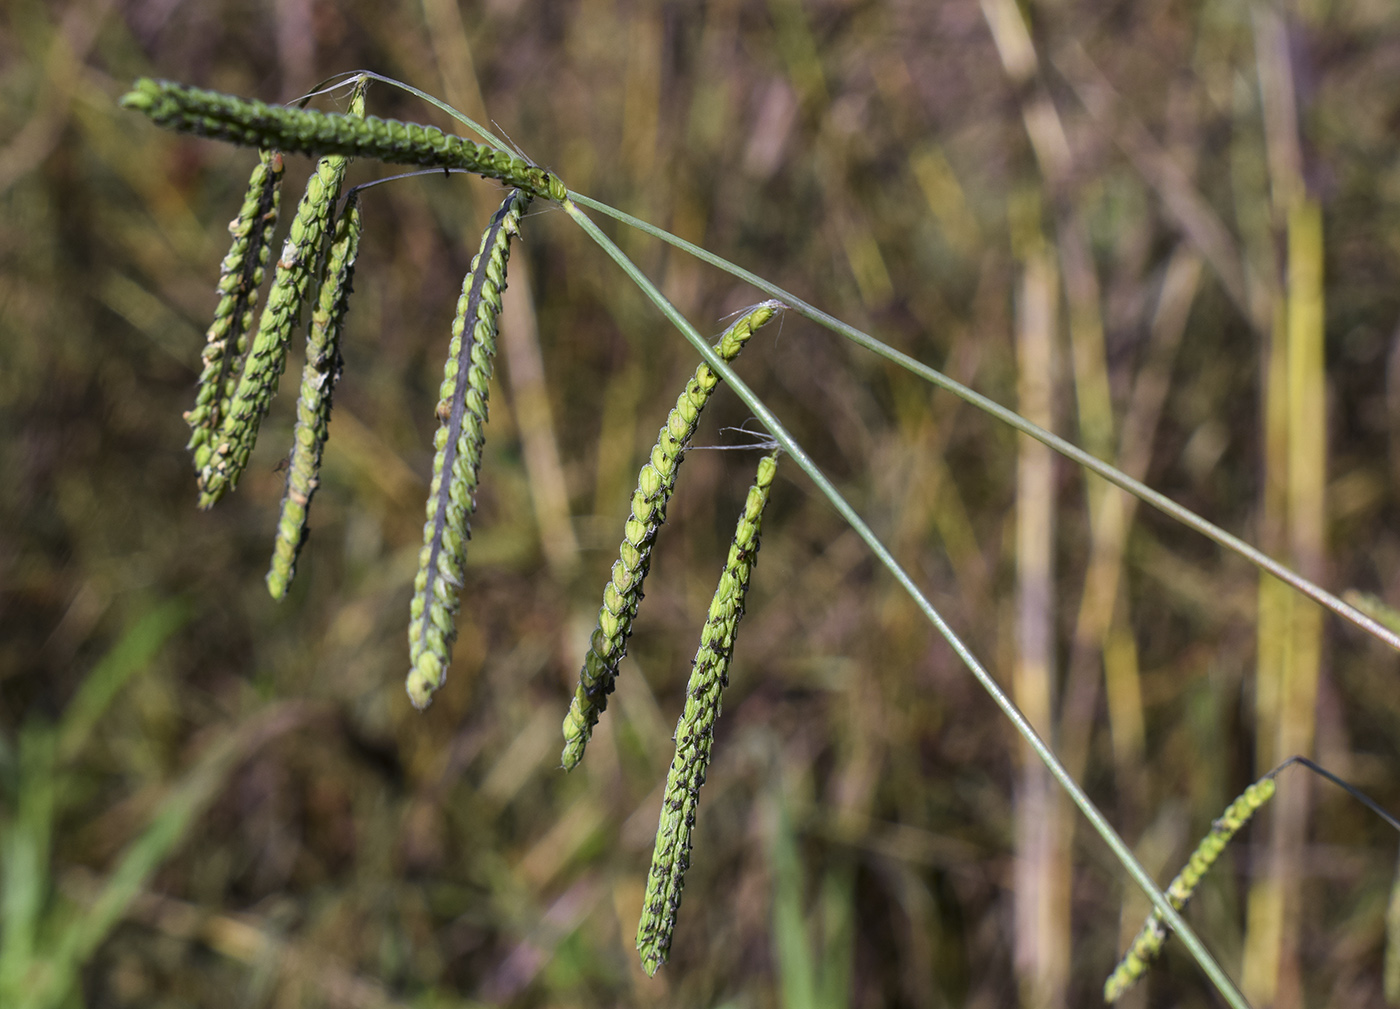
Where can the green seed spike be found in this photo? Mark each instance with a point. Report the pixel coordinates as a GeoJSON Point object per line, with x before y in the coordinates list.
{"type": "Point", "coordinates": [709, 675]}
{"type": "Point", "coordinates": [306, 131]}
{"type": "Point", "coordinates": [461, 409]}
{"type": "Point", "coordinates": [623, 592]}
{"type": "Point", "coordinates": [1148, 944]}
{"type": "Point", "coordinates": [301, 254]}
{"type": "Point", "coordinates": [318, 379]}
{"type": "Point", "coordinates": [240, 276]}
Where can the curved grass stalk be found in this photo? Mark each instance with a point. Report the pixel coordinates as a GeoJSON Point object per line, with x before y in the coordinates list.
{"type": "Point", "coordinates": [462, 407]}
{"type": "Point", "coordinates": [1065, 448]}
{"type": "Point", "coordinates": [695, 732]}
{"type": "Point", "coordinates": [318, 378]}
{"type": "Point", "coordinates": [1096, 819]}
{"type": "Point", "coordinates": [623, 592]}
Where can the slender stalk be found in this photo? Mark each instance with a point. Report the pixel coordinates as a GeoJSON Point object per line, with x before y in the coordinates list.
{"type": "Point", "coordinates": [1096, 819]}
{"type": "Point", "coordinates": [465, 120]}
{"type": "Point", "coordinates": [1070, 451]}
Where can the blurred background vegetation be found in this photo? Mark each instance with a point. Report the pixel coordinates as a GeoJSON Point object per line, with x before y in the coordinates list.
{"type": "Point", "coordinates": [1169, 231]}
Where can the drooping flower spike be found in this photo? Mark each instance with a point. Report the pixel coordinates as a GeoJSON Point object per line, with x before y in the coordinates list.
{"type": "Point", "coordinates": [1146, 947]}
{"type": "Point", "coordinates": [318, 378]}
{"type": "Point", "coordinates": [462, 411]}
{"type": "Point", "coordinates": [623, 592]}
{"type": "Point", "coordinates": [240, 277]}
{"type": "Point", "coordinates": [709, 675]}
{"type": "Point", "coordinates": [301, 255]}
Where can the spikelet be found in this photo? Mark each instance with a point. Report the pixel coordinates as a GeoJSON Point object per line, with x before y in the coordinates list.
{"type": "Point", "coordinates": [461, 409]}
{"type": "Point", "coordinates": [1148, 944]}
{"type": "Point", "coordinates": [306, 131]}
{"type": "Point", "coordinates": [318, 379]}
{"type": "Point", "coordinates": [301, 255]}
{"type": "Point", "coordinates": [709, 675]}
{"type": "Point", "coordinates": [240, 276]}
{"type": "Point", "coordinates": [623, 592]}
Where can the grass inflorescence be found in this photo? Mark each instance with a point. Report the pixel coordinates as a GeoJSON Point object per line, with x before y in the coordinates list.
{"type": "Point", "coordinates": [296, 269]}
{"type": "Point", "coordinates": [462, 411]}
{"type": "Point", "coordinates": [240, 277]}
{"type": "Point", "coordinates": [1147, 944]}
{"type": "Point", "coordinates": [318, 379]}
{"type": "Point", "coordinates": [623, 592]}
{"type": "Point", "coordinates": [695, 732]}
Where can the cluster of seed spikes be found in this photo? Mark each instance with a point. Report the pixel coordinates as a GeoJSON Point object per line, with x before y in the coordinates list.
{"type": "Point", "coordinates": [242, 368]}
{"type": "Point", "coordinates": [655, 483]}
{"type": "Point", "coordinates": [221, 454]}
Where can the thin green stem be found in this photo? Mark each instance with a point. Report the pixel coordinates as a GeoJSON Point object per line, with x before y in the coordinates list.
{"type": "Point", "coordinates": [1095, 465]}
{"type": "Point", "coordinates": [465, 120]}
{"type": "Point", "coordinates": [1096, 819]}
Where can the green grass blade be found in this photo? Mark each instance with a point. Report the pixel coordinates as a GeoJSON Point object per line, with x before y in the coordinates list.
{"type": "Point", "coordinates": [24, 858]}
{"type": "Point", "coordinates": [797, 968]}
{"type": "Point", "coordinates": [1070, 451]}
{"type": "Point", "coordinates": [132, 654]}
{"type": "Point", "coordinates": [169, 825]}
{"type": "Point", "coordinates": [1120, 849]}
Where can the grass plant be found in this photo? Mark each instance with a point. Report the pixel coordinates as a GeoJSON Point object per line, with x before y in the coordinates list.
{"type": "Point", "coordinates": [255, 124]}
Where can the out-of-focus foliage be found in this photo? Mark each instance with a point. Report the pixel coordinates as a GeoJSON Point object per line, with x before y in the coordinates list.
{"type": "Point", "coordinates": [857, 835]}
